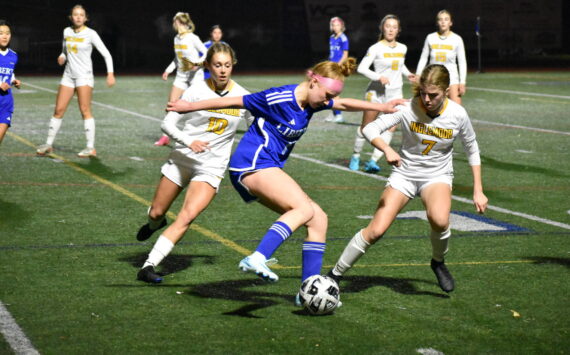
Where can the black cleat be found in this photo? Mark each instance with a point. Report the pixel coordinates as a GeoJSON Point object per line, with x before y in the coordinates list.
{"type": "Point", "coordinates": [443, 275]}
{"type": "Point", "coordinates": [337, 278]}
{"type": "Point", "coordinates": [145, 232]}
{"type": "Point", "coordinates": [147, 274]}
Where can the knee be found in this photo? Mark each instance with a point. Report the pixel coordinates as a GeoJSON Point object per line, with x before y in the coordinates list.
{"type": "Point", "coordinates": [156, 212]}
{"type": "Point", "coordinates": [438, 223]}
{"type": "Point", "coordinates": [319, 217]}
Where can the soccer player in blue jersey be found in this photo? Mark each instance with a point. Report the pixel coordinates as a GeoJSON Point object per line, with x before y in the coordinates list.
{"type": "Point", "coordinates": [282, 115]}
{"type": "Point", "coordinates": [338, 52]}
{"type": "Point", "coordinates": [215, 37]}
{"type": "Point", "coordinates": [8, 61]}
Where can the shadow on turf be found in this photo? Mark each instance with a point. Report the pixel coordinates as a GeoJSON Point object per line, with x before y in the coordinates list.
{"type": "Point", "coordinates": [13, 214]}
{"type": "Point", "coordinates": [235, 290]}
{"type": "Point", "coordinates": [95, 166]}
{"type": "Point", "coordinates": [170, 265]}
{"type": "Point", "coordinates": [549, 260]}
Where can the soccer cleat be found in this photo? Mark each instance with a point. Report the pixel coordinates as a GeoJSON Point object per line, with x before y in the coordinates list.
{"type": "Point", "coordinates": [443, 275]}
{"type": "Point", "coordinates": [258, 267]}
{"type": "Point", "coordinates": [44, 149]}
{"type": "Point", "coordinates": [87, 153]}
{"type": "Point", "coordinates": [338, 118]}
{"type": "Point", "coordinates": [337, 278]}
{"type": "Point", "coordinates": [145, 231]}
{"type": "Point", "coordinates": [329, 118]}
{"type": "Point", "coordinates": [371, 167]}
{"type": "Point", "coordinates": [354, 163]}
{"type": "Point", "coordinates": [147, 274]}
{"type": "Point", "coordinates": [298, 302]}
{"type": "Point", "coordinates": [164, 140]}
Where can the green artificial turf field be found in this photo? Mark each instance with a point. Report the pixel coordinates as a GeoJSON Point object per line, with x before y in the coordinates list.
{"type": "Point", "coordinates": [69, 257]}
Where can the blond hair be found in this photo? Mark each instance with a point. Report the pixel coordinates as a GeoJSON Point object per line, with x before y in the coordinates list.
{"type": "Point", "coordinates": [220, 47]}
{"type": "Point", "coordinates": [441, 12]}
{"type": "Point", "coordinates": [433, 74]}
{"type": "Point", "coordinates": [335, 70]}
{"type": "Point", "coordinates": [386, 18]}
{"type": "Point", "coordinates": [184, 19]}
{"type": "Point", "coordinates": [341, 21]}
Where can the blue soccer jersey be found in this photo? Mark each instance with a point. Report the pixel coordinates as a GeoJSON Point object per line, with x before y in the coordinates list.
{"type": "Point", "coordinates": [337, 46]}
{"type": "Point", "coordinates": [279, 123]}
{"type": "Point", "coordinates": [8, 61]}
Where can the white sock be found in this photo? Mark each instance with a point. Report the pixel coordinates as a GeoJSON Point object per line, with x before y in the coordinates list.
{"type": "Point", "coordinates": [160, 250]}
{"type": "Point", "coordinates": [439, 244]}
{"type": "Point", "coordinates": [54, 126]}
{"type": "Point", "coordinates": [351, 253]}
{"type": "Point", "coordinates": [89, 126]}
{"type": "Point", "coordinates": [386, 137]}
{"type": "Point", "coordinates": [358, 142]}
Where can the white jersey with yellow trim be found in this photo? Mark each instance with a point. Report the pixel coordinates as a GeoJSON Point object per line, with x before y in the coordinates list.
{"type": "Point", "coordinates": [427, 143]}
{"type": "Point", "coordinates": [77, 48]}
{"type": "Point", "coordinates": [448, 51]}
{"type": "Point", "coordinates": [218, 127]}
{"type": "Point", "coordinates": [187, 48]}
{"type": "Point", "coordinates": [388, 62]}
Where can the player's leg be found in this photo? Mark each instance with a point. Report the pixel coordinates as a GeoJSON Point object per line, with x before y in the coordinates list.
{"type": "Point", "coordinates": [391, 203]}
{"type": "Point", "coordinates": [64, 96]}
{"type": "Point", "coordinates": [367, 117]}
{"type": "Point", "coordinates": [278, 191]}
{"type": "Point", "coordinates": [436, 198]}
{"type": "Point", "coordinates": [198, 197]}
{"type": "Point", "coordinates": [3, 130]}
{"type": "Point", "coordinates": [84, 96]}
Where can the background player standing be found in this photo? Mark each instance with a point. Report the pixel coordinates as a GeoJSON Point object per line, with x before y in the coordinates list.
{"type": "Point", "coordinates": [78, 43]}
{"type": "Point", "coordinates": [8, 61]}
{"type": "Point", "coordinates": [338, 52]}
{"type": "Point", "coordinates": [445, 47]}
{"type": "Point", "coordinates": [189, 54]}
{"type": "Point", "coordinates": [388, 57]}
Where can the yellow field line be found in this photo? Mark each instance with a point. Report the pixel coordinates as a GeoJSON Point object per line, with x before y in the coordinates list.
{"type": "Point", "coordinates": [206, 232]}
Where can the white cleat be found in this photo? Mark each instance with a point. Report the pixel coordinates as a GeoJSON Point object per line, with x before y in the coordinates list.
{"type": "Point", "coordinates": [44, 149]}
{"type": "Point", "coordinates": [87, 153]}
{"type": "Point", "coordinates": [258, 266]}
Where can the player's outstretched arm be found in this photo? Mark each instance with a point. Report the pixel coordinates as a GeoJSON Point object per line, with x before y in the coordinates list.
{"type": "Point", "coordinates": [348, 104]}
{"type": "Point", "coordinates": [182, 106]}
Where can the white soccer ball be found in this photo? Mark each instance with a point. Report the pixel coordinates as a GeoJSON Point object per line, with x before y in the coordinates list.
{"type": "Point", "coordinates": [319, 294]}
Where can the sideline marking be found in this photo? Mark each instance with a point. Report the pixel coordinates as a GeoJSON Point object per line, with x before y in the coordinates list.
{"type": "Point", "coordinates": [122, 190]}
{"type": "Point", "coordinates": [13, 334]}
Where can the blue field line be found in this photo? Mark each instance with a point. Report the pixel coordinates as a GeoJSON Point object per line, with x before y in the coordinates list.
{"type": "Point", "coordinates": [295, 239]}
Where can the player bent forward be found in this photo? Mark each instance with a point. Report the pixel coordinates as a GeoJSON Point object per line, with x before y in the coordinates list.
{"type": "Point", "coordinates": [430, 125]}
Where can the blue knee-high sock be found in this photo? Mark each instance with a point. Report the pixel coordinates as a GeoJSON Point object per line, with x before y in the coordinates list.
{"type": "Point", "coordinates": [275, 236]}
{"type": "Point", "coordinates": [336, 112]}
{"type": "Point", "coordinates": [312, 258]}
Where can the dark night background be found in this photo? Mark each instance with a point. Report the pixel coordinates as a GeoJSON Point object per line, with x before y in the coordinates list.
{"type": "Point", "coordinates": [290, 35]}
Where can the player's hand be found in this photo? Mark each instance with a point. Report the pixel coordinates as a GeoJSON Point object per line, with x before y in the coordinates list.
{"type": "Point", "coordinates": [392, 157]}
{"type": "Point", "coordinates": [17, 83]}
{"type": "Point", "coordinates": [165, 76]}
{"type": "Point", "coordinates": [199, 146]}
{"type": "Point", "coordinates": [412, 78]}
{"type": "Point", "coordinates": [384, 80]}
{"type": "Point", "coordinates": [390, 106]}
{"type": "Point", "coordinates": [462, 89]}
{"type": "Point", "coordinates": [480, 201]}
{"type": "Point", "coordinates": [61, 60]}
{"type": "Point", "coordinates": [179, 106]}
{"type": "Point", "coordinates": [110, 79]}
{"type": "Point", "coordinates": [5, 86]}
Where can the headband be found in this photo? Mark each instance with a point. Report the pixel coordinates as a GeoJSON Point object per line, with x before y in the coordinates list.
{"type": "Point", "coordinates": [333, 85]}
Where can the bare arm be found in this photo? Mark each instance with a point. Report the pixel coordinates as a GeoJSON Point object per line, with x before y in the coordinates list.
{"type": "Point", "coordinates": [182, 106]}
{"type": "Point", "coordinates": [348, 104]}
{"type": "Point", "coordinates": [479, 199]}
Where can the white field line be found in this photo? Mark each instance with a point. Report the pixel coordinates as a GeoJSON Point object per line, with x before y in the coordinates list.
{"type": "Point", "coordinates": [110, 107]}
{"type": "Point", "coordinates": [519, 93]}
{"type": "Point", "coordinates": [13, 334]}
{"type": "Point", "coordinates": [521, 127]}
{"type": "Point", "coordinates": [377, 177]}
